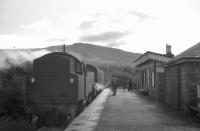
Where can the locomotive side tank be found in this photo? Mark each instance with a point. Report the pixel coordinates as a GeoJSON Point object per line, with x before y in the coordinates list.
{"type": "Point", "coordinates": [100, 80]}
{"type": "Point", "coordinates": [100, 76]}
{"type": "Point", "coordinates": [91, 80]}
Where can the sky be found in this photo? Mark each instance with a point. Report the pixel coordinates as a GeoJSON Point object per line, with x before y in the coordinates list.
{"type": "Point", "coordinates": [131, 25]}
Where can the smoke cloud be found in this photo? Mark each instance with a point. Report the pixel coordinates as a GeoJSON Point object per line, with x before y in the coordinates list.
{"type": "Point", "coordinates": [99, 86]}
{"type": "Point", "coordinates": [10, 58]}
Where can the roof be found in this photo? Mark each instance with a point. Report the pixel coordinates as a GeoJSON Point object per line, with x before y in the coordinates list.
{"type": "Point", "coordinates": [191, 54]}
{"type": "Point", "coordinates": [151, 56]}
{"type": "Point", "coordinates": [194, 51]}
{"type": "Point", "coordinates": [62, 55]}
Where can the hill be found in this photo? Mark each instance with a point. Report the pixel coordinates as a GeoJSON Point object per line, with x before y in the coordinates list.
{"type": "Point", "coordinates": [98, 54]}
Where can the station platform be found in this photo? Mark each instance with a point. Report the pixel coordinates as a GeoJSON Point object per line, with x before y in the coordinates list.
{"type": "Point", "coordinates": [88, 119]}
{"type": "Point", "coordinates": [128, 111]}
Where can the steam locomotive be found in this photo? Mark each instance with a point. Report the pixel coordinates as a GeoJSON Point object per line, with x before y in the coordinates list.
{"type": "Point", "coordinates": [63, 85]}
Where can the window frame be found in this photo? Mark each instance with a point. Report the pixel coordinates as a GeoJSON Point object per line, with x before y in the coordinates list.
{"type": "Point", "coordinates": [81, 69]}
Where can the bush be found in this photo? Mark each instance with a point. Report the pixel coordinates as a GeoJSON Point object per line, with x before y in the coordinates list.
{"type": "Point", "coordinates": [12, 91]}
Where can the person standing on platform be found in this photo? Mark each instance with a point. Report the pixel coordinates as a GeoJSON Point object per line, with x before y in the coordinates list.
{"type": "Point", "coordinates": [124, 86]}
{"type": "Point", "coordinates": [114, 85]}
{"type": "Point", "coordinates": [130, 88]}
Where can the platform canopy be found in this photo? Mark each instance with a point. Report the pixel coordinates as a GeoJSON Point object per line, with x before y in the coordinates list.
{"type": "Point", "coordinates": [151, 56]}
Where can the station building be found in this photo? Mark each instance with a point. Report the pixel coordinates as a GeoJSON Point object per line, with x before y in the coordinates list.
{"type": "Point", "coordinates": [150, 74]}
{"type": "Point", "coordinates": [183, 79]}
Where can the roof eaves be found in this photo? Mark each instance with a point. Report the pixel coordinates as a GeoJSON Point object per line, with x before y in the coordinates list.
{"type": "Point", "coordinates": [182, 60]}
{"type": "Point", "coordinates": [140, 57]}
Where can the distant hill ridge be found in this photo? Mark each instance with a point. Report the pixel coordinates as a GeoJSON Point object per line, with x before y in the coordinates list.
{"type": "Point", "coordinates": [98, 54]}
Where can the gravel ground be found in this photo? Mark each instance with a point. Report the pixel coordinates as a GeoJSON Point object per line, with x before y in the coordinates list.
{"type": "Point", "coordinates": [128, 111]}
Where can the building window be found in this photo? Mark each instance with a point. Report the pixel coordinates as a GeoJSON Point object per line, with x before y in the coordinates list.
{"type": "Point", "coordinates": [152, 79]}
{"type": "Point", "coordinates": [148, 78]}
{"type": "Point", "coordinates": [144, 78]}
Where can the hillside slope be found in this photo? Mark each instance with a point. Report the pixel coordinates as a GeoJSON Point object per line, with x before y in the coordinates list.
{"type": "Point", "coordinates": [98, 54]}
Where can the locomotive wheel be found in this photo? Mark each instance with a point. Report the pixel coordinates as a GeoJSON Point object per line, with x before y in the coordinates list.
{"type": "Point", "coordinates": [81, 106]}
{"type": "Point", "coordinates": [73, 112]}
{"type": "Point", "coordinates": [89, 99]}
{"type": "Point", "coordinates": [85, 100]}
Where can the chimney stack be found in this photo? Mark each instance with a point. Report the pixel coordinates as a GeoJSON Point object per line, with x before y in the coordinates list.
{"type": "Point", "coordinates": [64, 48]}
{"type": "Point", "coordinates": [168, 51]}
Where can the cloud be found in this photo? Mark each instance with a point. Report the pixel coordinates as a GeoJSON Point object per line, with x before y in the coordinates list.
{"type": "Point", "coordinates": [57, 39]}
{"type": "Point", "coordinates": [104, 37]}
{"type": "Point", "coordinates": [141, 16]}
{"type": "Point", "coordinates": [115, 44]}
{"type": "Point", "coordinates": [98, 15]}
{"type": "Point", "coordinates": [116, 20]}
{"type": "Point", "coordinates": [87, 24]}
{"type": "Point", "coordinates": [39, 25]}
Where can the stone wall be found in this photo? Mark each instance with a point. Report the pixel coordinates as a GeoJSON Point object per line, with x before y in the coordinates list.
{"type": "Point", "coordinates": [172, 86]}
{"type": "Point", "coordinates": [161, 87]}
{"type": "Point", "coordinates": [181, 85]}
{"type": "Point", "coordinates": [194, 80]}
{"type": "Point", "coordinates": [184, 88]}
{"type": "Point", "coordinates": [190, 78]}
